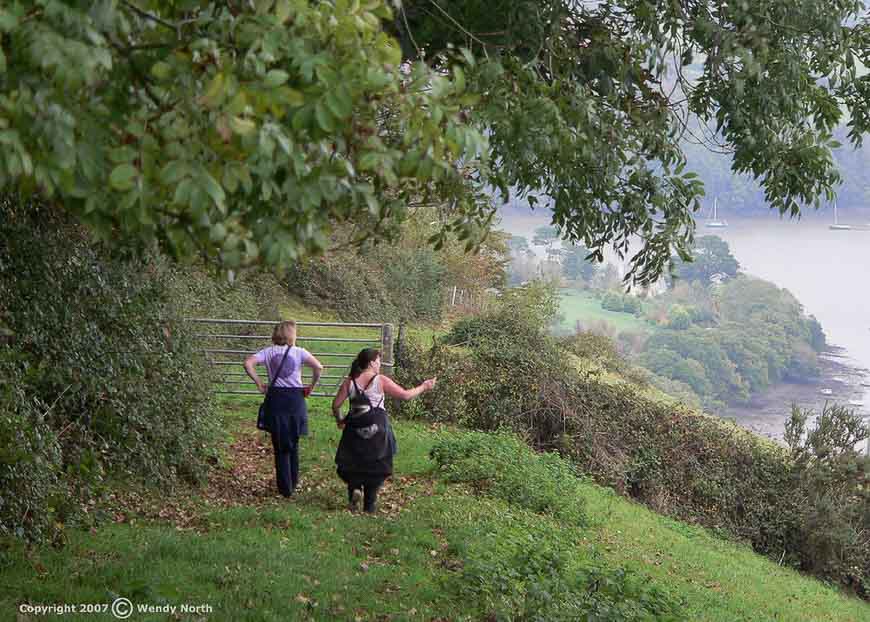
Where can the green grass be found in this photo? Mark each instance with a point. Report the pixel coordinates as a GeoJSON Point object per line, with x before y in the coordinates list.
{"type": "Point", "coordinates": [583, 306]}
{"type": "Point", "coordinates": [436, 550]}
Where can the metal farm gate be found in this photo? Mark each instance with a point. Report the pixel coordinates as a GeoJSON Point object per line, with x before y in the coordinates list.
{"type": "Point", "coordinates": [335, 344]}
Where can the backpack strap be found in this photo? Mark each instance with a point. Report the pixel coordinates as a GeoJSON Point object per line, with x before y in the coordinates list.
{"type": "Point", "coordinates": [362, 392]}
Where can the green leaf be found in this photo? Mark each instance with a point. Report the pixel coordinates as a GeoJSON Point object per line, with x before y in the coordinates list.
{"type": "Point", "coordinates": [173, 172]}
{"type": "Point", "coordinates": [214, 94]}
{"type": "Point", "coordinates": [243, 127]}
{"type": "Point", "coordinates": [161, 70]}
{"type": "Point", "coordinates": [182, 192]}
{"type": "Point", "coordinates": [275, 78]}
{"type": "Point", "coordinates": [339, 103]}
{"type": "Point", "coordinates": [218, 232]}
{"type": "Point", "coordinates": [369, 161]}
{"type": "Point", "coordinates": [237, 104]}
{"type": "Point", "coordinates": [283, 10]}
{"type": "Point", "coordinates": [122, 154]}
{"type": "Point", "coordinates": [8, 21]}
{"type": "Point", "coordinates": [458, 79]}
{"type": "Point", "coordinates": [123, 177]}
{"type": "Point", "coordinates": [213, 188]}
{"type": "Point", "coordinates": [324, 118]}
{"type": "Point", "coordinates": [291, 97]}
{"type": "Point", "coordinates": [230, 179]}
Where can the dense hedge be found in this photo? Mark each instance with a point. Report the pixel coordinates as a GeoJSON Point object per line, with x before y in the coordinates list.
{"type": "Point", "coordinates": [382, 285]}
{"type": "Point", "coordinates": [808, 506]}
{"type": "Point", "coordinates": [96, 380]}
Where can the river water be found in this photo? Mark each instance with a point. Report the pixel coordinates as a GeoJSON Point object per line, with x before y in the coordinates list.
{"type": "Point", "coordinates": [829, 272]}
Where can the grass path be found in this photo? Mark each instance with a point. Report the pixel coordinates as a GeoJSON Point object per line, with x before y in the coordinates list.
{"type": "Point", "coordinates": [249, 555]}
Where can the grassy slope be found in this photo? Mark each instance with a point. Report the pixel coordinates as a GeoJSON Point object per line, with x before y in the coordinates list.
{"type": "Point", "coordinates": [261, 558]}
{"type": "Point", "coordinates": [583, 306]}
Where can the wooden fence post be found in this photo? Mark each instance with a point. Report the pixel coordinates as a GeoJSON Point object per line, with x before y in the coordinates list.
{"type": "Point", "coordinates": [387, 344]}
{"type": "Point", "coordinates": [400, 340]}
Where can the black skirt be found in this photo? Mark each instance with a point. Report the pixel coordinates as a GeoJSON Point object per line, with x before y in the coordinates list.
{"type": "Point", "coordinates": [289, 416]}
{"type": "Point", "coordinates": [367, 446]}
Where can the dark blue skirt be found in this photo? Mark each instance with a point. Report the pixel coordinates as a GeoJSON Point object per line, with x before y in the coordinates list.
{"type": "Point", "coordinates": [289, 416]}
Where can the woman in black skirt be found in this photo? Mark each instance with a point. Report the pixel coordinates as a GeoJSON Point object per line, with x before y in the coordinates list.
{"type": "Point", "coordinates": [286, 406]}
{"type": "Point", "coordinates": [365, 452]}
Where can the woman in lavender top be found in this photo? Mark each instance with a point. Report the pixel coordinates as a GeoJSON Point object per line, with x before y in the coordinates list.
{"type": "Point", "coordinates": [286, 399]}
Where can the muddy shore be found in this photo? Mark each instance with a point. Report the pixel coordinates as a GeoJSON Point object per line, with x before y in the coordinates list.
{"type": "Point", "coordinates": [767, 413]}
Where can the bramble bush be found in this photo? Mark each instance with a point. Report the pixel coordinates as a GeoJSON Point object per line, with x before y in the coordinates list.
{"type": "Point", "coordinates": [382, 285]}
{"type": "Point", "coordinates": [834, 480]}
{"type": "Point", "coordinates": [516, 570]}
{"type": "Point", "coordinates": [504, 467]}
{"type": "Point", "coordinates": [98, 379]}
{"type": "Point", "coordinates": [502, 370]}
{"type": "Point", "coordinates": [520, 580]}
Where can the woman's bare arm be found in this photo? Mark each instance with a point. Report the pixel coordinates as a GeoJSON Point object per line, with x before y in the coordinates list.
{"type": "Point", "coordinates": [316, 369]}
{"type": "Point", "coordinates": [251, 369]}
{"type": "Point", "coordinates": [339, 398]}
{"type": "Point", "coordinates": [391, 389]}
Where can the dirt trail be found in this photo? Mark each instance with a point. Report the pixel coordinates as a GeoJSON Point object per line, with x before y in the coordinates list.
{"type": "Point", "coordinates": [247, 479]}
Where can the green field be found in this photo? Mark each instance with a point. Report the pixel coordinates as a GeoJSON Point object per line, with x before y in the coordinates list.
{"type": "Point", "coordinates": [583, 306]}
{"type": "Point", "coordinates": [236, 547]}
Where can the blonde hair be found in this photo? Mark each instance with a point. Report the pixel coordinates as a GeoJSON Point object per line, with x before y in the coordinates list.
{"type": "Point", "coordinates": [284, 333]}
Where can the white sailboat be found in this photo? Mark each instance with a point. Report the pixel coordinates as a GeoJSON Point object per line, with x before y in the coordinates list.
{"type": "Point", "coordinates": [716, 223]}
{"type": "Point", "coordinates": [837, 226]}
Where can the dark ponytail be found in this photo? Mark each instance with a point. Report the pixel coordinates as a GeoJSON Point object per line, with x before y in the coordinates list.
{"type": "Point", "coordinates": [362, 361]}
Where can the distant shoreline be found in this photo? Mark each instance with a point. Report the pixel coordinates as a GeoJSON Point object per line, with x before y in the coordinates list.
{"type": "Point", "coordinates": [767, 412]}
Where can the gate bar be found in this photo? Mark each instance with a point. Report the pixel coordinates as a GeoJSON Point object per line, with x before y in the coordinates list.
{"type": "Point", "coordinates": [269, 338]}
{"type": "Point", "coordinates": [203, 320]}
{"type": "Point", "coordinates": [221, 351]}
{"type": "Point", "coordinates": [240, 363]}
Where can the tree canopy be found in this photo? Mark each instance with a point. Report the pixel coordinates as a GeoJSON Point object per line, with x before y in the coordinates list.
{"type": "Point", "coordinates": [254, 131]}
{"type": "Point", "coordinates": [711, 258]}
{"type": "Point", "coordinates": [241, 133]}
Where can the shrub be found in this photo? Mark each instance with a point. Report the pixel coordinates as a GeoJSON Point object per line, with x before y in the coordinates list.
{"type": "Point", "coordinates": [514, 570]}
{"type": "Point", "coordinates": [335, 282]}
{"type": "Point", "coordinates": [505, 467]}
{"type": "Point", "coordinates": [31, 490]}
{"type": "Point", "coordinates": [390, 284]}
{"type": "Point", "coordinates": [679, 317]}
{"type": "Point", "coordinates": [613, 301]}
{"type": "Point", "coordinates": [834, 483]}
{"type": "Point", "coordinates": [98, 380]}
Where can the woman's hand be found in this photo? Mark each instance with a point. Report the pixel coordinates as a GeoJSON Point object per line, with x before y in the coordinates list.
{"type": "Point", "coordinates": [306, 391]}
{"type": "Point", "coordinates": [262, 388]}
{"type": "Point", "coordinates": [428, 385]}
